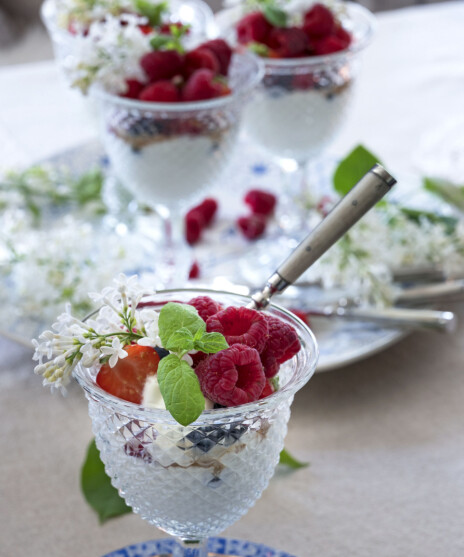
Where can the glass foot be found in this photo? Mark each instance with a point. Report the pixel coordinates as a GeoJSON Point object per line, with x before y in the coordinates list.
{"type": "Point", "coordinates": [217, 547]}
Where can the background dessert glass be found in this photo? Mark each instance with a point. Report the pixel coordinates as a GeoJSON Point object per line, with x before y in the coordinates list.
{"type": "Point", "coordinates": [167, 153]}
{"type": "Point", "coordinates": [192, 482]}
{"type": "Point", "coordinates": [302, 102]}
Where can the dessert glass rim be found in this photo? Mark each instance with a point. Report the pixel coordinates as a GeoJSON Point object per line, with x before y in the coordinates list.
{"type": "Point", "coordinates": [137, 411]}
{"type": "Point", "coordinates": [175, 107]}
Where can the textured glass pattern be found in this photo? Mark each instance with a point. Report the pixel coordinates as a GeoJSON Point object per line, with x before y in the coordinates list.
{"type": "Point", "coordinates": [195, 481]}
{"type": "Point", "coordinates": [190, 481]}
{"type": "Point", "coordinates": [164, 152]}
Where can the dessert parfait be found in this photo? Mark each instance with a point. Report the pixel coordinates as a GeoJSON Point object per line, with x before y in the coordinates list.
{"type": "Point", "coordinates": [310, 64]}
{"type": "Point", "coordinates": [189, 394]}
{"type": "Point", "coordinates": [171, 130]}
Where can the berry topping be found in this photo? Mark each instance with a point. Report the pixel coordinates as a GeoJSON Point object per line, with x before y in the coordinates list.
{"type": "Point", "coordinates": [202, 85]}
{"type": "Point", "coordinates": [200, 58]}
{"type": "Point", "coordinates": [319, 22]}
{"type": "Point", "coordinates": [240, 325]}
{"type": "Point", "coordinates": [127, 378]}
{"type": "Point", "coordinates": [222, 51]}
{"type": "Point", "coordinates": [282, 344]}
{"type": "Point", "coordinates": [343, 35]}
{"type": "Point", "coordinates": [260, 201]}
{"type": "Point", "coordinates": [268, 389]}
{"type": "Point", "coordinates": [194, 272]}
{"type": "Point", "coordinates": [329, 45]}
{"type": "Point", "coordinates": [253, 226]}
{"type": "Point", "coordinates": [162, 64]}
{"type": "Point", "coordinates": [133, 89]}
{"type": "Point", "coordinates": [233, 376]}
{"type": "Point", "coordinates": [205, 306]}
{"type": "Point", "coordinates": [288, 42]}
{"type": "Point", "coordinates": [253, 27]}
{"type": "Point", "coordinates": [194, 224]}
{"type": "Point", "coordinates": [163, 91]}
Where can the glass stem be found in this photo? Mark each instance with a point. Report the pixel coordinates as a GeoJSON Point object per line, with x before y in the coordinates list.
{"type": "Point", "coordinates": [173, 259]}
{"type": "Point", "coordinates": [191, 548]}
{"type": "Point", "coordinates": [292, 212]}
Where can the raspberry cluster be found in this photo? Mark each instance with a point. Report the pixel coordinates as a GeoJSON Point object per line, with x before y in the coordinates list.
{"type": "Point", "coordinates": [198, 218]}
{"type": "Point", "coordinates": [262, 204]}
{"type": "Point", "coordinates": [258, 345]}
{"type": "Point", "coordinates": [174, 76]}
{"type": "Point", "coordinates": [319, 34]}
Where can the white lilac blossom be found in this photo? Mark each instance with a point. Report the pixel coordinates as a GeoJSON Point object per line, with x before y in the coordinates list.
{"type": "Point", "coordinates": [95, 341]}
{"type": "Point", "coordinates": [83, 12]}
{"type": "Point", "coordinates": [109, 54]}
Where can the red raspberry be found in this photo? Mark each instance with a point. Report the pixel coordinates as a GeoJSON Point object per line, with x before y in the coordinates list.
{"type": "Point", "coordinates": [253, 27]}
{"type": "Point", "coordinates": [194, 272]}
{"type": "Point", "coordinates": [162, 64]}
{"type": "Point", "coordinates": [194, 224]}
{"type": "Point", "coordinates": [197, 358]}
{"type": "Point", "coordinates": [282, 344]}
{"type": "Point", "coordinates": [200, 58]}
{"type": "Point", "coordinates": [288, 42]}
{"type": "Point", "coordinates": [133, 88]}
{"type": "Point", "coordinates": [268, 390]}
{"type": "Point", "coordinates": [146, 29]}
{"type": "Point", "coordinates": [343, 35]}
{"type": "Point", "coordinates": [240, 326]}
{"type": "Point", "coordinates": [223, 53]}
{"type": "Point", "coordinates": [318, 22]}
{"type": "Point", "coordinates": [252, 227]}
{"type": "Point", "coordinates": [303, 82]}
{"type": "Point", "coordinates": [233, 376]}
{"type": "Point", "coordinates": [205, 306]}
{"type": "Point", "coordinates": [162, 91]}
{"type": "Point", "coordinates": [329, 45]}
{"type": "Point", "coordinates": [202, 85]}
{"type": "Point", "coordinates": [208, 208]}
{"type": "Point", "coordinates": [261, 202]}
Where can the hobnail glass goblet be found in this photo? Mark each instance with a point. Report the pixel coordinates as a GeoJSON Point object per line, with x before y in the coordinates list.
{"type": "Point", "coordinates": [303, 102]}
{"type": "Point", "coordinates": [193, 482]}
{"type": "Point", "coordinates": [166, 153]}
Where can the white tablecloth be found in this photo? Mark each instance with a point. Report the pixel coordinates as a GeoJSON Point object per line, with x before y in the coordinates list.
{"type": "Point", "coordinates": [385, 437]}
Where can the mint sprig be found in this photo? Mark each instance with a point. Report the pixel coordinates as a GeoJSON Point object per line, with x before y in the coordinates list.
{"type": "Point", "coordinates": [352, 168]}
{"type": "Point", "coordinates": [182, 330]}
{"type": "Point", "coordinates": [153, 12]}
{"type": "Point", "coordinates": [275, 15]}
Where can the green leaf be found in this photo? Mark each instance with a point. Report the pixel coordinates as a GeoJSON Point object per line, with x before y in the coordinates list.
{"type": "Point", "coordinates": [352, 168]}
{"type": "Point", "coordinates": [89, 187]}
{"type": "Point", "coordinates": [180, 389]}
{"type": "Point", "coordinates": [286, 459]}
{"type": "Point", "coordinates": [152, 12]}
{"type": "Point", "coordinates": [97, 489]}
{"type": "Point", "coordinates": [180, 341]}
{"type": "Point", "coordinates": [447, 191]}
{"type": "Point", "coordinates": [275, 16]}
{"type": "Point", "coordinates": [259, 49]}
{"type": "Point", "coordinates": [160, 41]}
{"type": "Point", "coordinates": [211, 343]}
{"type": "Point", "coordinates": [174, 316]}
{"type": "Point", "coordinates": [417, 215]}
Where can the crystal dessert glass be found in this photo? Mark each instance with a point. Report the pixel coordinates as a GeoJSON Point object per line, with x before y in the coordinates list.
{"type": "Point", "coordinates": [303, 101]}
{"type": "Point", "coordinates": [193, 482]}
{"type": "Point", "coordinates": [167, 153]}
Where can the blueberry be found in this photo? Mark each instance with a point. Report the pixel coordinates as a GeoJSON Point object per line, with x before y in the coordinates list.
{"type": "Point", "coordinates": [162, 352]}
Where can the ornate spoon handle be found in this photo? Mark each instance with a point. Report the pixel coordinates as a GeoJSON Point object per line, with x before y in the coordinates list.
{"type": "Point", "coordinates": [365, 194]}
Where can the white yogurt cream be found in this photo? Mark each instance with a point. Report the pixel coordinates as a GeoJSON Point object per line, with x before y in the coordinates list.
{"type": "Point", "coordinates": [296, 124]}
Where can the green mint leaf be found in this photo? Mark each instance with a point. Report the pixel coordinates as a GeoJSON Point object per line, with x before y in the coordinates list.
{"type": "Point", "coordinates": [160, 41]}
{"type": "Point", "coordinates": [211, 343]}
{"type": "Point", "coordinates": [452, 194]}
{"type": "Point", "coordinates": [152, 12]}
{"type": "Point", "coordinates": [174, 316]}
{"type": "Point", "coordinates": [89, 187]}
{"type": "Point", "coordinates": [286, 459]}
{"type": "Point", "coordinates": [180, 389]}
{"type": "Point", "coordinates": [259, 49]}
{"type": "Point", "coordinates": [275, 16]}
{"type": "Point", "coordinates": [180, 341]}
{"type": "Point", "coordinates": [97, 489]}
{"type": "Point", "coordinates": [352, 168]}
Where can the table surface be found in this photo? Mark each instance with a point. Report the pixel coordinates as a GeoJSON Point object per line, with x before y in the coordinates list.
{"type": "Point", "coordinates": [385, 437]}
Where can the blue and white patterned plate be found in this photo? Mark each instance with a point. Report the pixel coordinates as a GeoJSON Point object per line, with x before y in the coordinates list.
{"type": "Point", "coordinates": [216, 547]}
